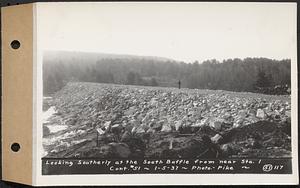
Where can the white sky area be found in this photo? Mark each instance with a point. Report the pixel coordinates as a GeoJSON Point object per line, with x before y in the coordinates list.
{"type": "Point", "coordinates": [181, 31]}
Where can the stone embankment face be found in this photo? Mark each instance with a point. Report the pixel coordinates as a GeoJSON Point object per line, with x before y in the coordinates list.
{"type": "Point", "coordinates": [103, 120]}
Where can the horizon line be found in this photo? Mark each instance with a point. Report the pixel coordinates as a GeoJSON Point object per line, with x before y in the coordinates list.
{"type": "Point", "coordinates": [163, 57]}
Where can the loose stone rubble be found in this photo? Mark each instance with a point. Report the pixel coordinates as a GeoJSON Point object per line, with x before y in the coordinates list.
{"type": "Point", "coordinates": [105, 120]}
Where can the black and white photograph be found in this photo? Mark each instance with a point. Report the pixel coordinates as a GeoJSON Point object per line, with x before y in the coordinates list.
{"type": "Point", "coordinates": [167, 88]}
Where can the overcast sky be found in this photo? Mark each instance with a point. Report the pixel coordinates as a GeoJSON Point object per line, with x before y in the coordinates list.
{"type": "Point", "coordinates": [181, 31]}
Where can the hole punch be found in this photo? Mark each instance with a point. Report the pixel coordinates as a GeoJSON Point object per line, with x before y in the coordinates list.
{"type": "Point", "coordinates": [15, 147]}
{"type": "Point", "coordinates": [15, 44]}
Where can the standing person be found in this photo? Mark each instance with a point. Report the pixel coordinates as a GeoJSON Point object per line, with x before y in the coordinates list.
{"type": "Point", "coordinates": [179, 83]}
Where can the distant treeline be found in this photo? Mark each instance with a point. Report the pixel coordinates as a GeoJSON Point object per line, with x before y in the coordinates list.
{"type": "Point", "coordinates": [232, 74]}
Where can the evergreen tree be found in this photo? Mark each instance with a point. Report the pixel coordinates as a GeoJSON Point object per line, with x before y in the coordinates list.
{"type": "Point", "coordinates": [153, 82]}
{"type": "Point", "coordinates": [262, 79]}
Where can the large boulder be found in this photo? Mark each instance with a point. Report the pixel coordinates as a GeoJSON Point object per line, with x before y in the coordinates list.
{"type": "Point", "coordinates": [261, 114]}
{"type": "Point", "coordinates": [178, 124]}
{"type": "Point", "coordinates": [204, 121]}
{"type": "Point", "coordinates": [216, 139]}
{"type": "Point", "coordinates": [216, 123]}
{"type": "Point", "coordinates": [107, 124]}
{"type": "Point", "coordinates": [166, 128]}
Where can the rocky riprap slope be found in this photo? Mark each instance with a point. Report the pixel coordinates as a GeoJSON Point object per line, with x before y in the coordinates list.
{"type": "Point", "coordinates": [136, 121]}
